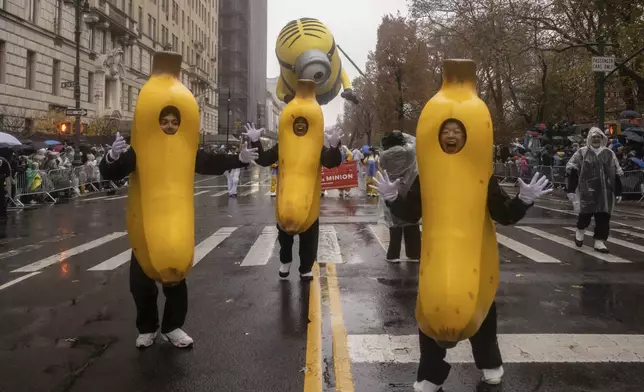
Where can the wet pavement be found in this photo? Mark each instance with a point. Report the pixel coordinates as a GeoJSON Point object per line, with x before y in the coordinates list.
{"type": "Point", "coordinates": [569, 320]}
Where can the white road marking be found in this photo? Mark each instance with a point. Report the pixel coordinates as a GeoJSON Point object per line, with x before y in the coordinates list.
{"type": "Point", "coordinates": [632, 234]}
{"type": "Point", "coordinates": [250, 192]}
{"type": "Point", "coordinates": [570, 244]}
{"type": "Point", "coordinates": [515, 348]}
{"type": "Point", "coordinates": [18, 280]}
{"type": "Point", "coordinates": [207, 179]}
{"type": "Point", "coordinates": [201, 193]}
{"type": "Point", "coordinates": [219, 194]}
{"type": "Point", "coordinates": [616, 241]}
{"type": "Point", "coordinates": [35, 246]}
{"type": "Point", "coordinates": [211, 243]}
{"type": "Point", "coordinates": [64, 255]}
{"type": "Point", "coordinates": [114, 262]}
{"type": "Point", "coordinates": [574, 214]}
{"type": "Point", "coordinates": [525, 250]}
{"type": "Point", "coordinates": [117, 198]}
{"type": "Point", "coordinates": [94, 198]}
{"type": "Point", "coordinates": [262, 249]}
{"type": "Point", "coordinates": [328, 246]}
{"type": "Point", "coordinates": [210, 186]}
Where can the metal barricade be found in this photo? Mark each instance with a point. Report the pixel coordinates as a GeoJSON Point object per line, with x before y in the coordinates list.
{"type": "Point", "coordinates": [633, 184]}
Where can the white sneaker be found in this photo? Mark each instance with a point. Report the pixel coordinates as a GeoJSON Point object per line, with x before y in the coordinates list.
{"type": "Point", "coordinates": [426, 386]}
{"type": "Point", "coordinates": [600, 246]}
{"type": "Point", "coordinates": [145, 340]}
{"type": "Point", "coordinates": [579, 237]}
{"type": "Point", "coordinates": [178, 338]}
{"type": "Point", "coordinates": [493, 376]}
{"type": "Point", "coordinates": [307, 277]}
{"type": "Point", "coordinates": [285, 270]}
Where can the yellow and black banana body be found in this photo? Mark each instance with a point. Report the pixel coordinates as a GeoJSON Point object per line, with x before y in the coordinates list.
{"type": "Point", "coordinates": [300, 138]}
{"type": "Point", "coordinates": [306, 49]}
{"type": "Point", "coordinates": [160, 208]}
{"type": "Point", "coordinates": [459, 266]}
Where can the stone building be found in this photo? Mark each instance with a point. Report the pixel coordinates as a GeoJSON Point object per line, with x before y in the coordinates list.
{"type": "Point", "coordinates": [118, 38]}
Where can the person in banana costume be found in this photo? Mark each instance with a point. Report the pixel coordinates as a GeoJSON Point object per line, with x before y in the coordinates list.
{"type": "Point", "coordinates": [459, 200]}
{"type": "Point", "coordinates": [330, 157]}
{"type": "Point", "coordinates": [163, 144]}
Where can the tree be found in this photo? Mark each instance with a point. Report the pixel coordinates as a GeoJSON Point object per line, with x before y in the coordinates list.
{"type": "Point", "coordinates": [102, 126]}
{"type": "Point", "coordinates": [13, 121]}
{"type": "Point", "coordinates": [49, 122]}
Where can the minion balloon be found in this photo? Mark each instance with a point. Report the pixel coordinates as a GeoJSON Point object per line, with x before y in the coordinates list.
{"type": "Point", "coordinates": [306, 49]}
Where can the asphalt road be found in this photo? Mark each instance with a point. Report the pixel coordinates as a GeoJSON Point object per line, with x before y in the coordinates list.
{"type": "Point", "coordinates": [569, 320]}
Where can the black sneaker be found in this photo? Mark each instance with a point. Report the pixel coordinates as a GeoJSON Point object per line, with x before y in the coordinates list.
{"type": "Point", "coordinates": [285, 270]}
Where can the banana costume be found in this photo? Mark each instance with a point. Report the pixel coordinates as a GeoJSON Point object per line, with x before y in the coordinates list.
{"type": "Point", "coordinates": [306, 49]}
{"type": "Point", "coordinates": [161, 163]}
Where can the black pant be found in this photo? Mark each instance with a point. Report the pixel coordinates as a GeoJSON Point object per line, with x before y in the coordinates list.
{"type": "Point", "coordinates": [412, 242]}
{"type": "Point", "coordinates": [308, 247]}
{"type": "Point", "coordinates": [485, 349]}
{"type": "Point", "coordinates": [602, 224]}
{"type": "Point", "coordinates": [145, 291]}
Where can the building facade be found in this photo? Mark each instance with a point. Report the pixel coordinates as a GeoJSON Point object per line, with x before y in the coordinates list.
{"type": "Point", "coordinates": [242, 64]}
{"type": "Point", "coordinates": [118, 40]}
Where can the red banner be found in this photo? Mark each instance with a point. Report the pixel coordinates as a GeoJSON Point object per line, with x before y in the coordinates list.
{"type": "Point", "coordinates": [342, 177]}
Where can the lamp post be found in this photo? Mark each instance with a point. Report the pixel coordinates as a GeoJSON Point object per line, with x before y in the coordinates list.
{"type": "Point", "coordinates": [228, 118]}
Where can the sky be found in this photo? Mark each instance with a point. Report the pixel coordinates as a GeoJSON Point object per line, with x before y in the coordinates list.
{"type": "Point", "coordinates": [354, 24]}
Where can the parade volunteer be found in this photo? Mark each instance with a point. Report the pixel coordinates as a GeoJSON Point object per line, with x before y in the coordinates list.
{"type": "Point", "coordinates": [305, 147]}
{"type": "Point", "coordinates": [458, 198]}
{"type": "Point", "coordinates": [161, 164]}
{"type": "Point", "coordinates": [594, 185]}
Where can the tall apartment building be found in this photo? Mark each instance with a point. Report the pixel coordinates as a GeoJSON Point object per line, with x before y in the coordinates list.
{"type": "Point", "coordinates": [37, 55]}
{"type": "Point", "coordinates": [242, 63]}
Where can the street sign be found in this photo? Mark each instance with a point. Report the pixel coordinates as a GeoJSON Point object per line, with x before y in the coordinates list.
{"type": "Point", "coordinates": [75, 112]}
{"type": "Point", "coordinates": [67, 84]}
{"type": "Point", "coordinates": [603, 64]}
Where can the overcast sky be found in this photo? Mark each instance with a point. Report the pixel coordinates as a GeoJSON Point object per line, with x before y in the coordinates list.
{"type": "Point", "coordinates": [354, 24]}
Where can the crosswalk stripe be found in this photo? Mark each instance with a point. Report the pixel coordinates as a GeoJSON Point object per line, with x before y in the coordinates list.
{"type": "Point", "coordinates": [631, 233]}
{"type": "Point", "coordinates": [211, 243]}
{"type": "Point", "coordinates": [569, 244]}
{"type": "Point", "coordinates": [94, 198]}
{"type": "Point", "coordinates": [515, 348]}
{"type": "Point", "coordinates": [219, 193]}
{"type": "Point", "coordinates": [117, 198]}
{"type": "Point", "coordinates": [250, 192]}
{"type": "Point", "coordinates": [37, 245]}
{"type": "Point", "coordinates": [64, 255]}
{"type": "Point", "coordinates": [262, 249]}
{"type": "Point", "coordinates": [328, 246]}
{"type": "Point", "coordinates": [525, 250]}
{"type": "Point", "coordinates": [201, 193]}
{"type": "Point", "coordinates": [616, 241]}
{"type": "Point", "coordinates": [568, 212]}
{"type": "Point", "coordinates": [18, 280]}
{"type": "Point", "coordinates": [114, 262]}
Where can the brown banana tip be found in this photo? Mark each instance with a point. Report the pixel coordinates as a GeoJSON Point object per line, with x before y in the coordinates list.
{"type": "Point", "coordinates": [459, 71]}
{"type": "Point", "coordinates": [166, 63]}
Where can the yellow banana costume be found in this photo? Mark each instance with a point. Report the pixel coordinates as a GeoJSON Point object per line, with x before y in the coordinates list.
{"type": "Point", "coordinates": [459, 266]}
{"type": "Point", "coordinates": [306, 49]}
{"type": "Point", "coordinates": [301, 138]}
{"type": "Point", "coordinates": [160, 208]}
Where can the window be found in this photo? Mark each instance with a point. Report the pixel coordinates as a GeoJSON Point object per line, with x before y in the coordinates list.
{"type": "Point", "coordinates": [140, 59]}
{"type": "Point", "coordinates": [59, 17]}
{"type": "Point", "coordinates": [129, 98]}
{"type": "Point", "coordinates": [175, 43]}
{"type": "Point", "coordinates": [33, 7]}
{"type": "Point", "coordinates": [30, 81]}
{"type": "Point", "coordinates": [182, 48]}
{"type": "Point", "coordinates": [164, 6]}
{"type": "Point", "coordinates": [149, 25]}
{"type": "Point", "coordinates": [183, 20]}
{"type": "Point", "coordinates": [3, 62]}
{"type": "Point", "coordinates": [129, 9]}
{"type": "Point", "coordinates": [92, 38]}
{"type": "Point", "coordinates": [55, 82]}
{"type": "Point", "coordinates": [123, 98]}
{"type": "Point", "coordinates": [90, 87]}
{"type": "Point", "coordinates": [104, 47]}
{"type": "Point", "coordinates": [154, 29]}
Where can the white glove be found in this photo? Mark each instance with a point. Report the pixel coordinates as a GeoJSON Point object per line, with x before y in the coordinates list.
{"type": "Point", "coordinates": [252, 133]}
{"type": "Point", "coordinates": [537, 188]}
{"type": "Point", "coordinates": [387, 189]}
{"type": "Point", "coordinates": [576, 206]}
{"type": "Point", "coordinates": [618, 199]}
{"type": "Point", "coordinates": [118, 147]}
{"type": "Point", "coordinates": [247, 155]}
{"type": "Point", "coordinates": [333, 138]}
{"type": "Point", "coordinates": [572, 197]}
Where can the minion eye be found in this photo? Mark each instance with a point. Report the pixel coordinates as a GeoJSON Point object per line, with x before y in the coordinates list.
{"type": "Point", "coordinates": [316, 72]}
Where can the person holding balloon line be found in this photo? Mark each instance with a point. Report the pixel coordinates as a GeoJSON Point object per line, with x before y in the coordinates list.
{"type": "Point", "coordinates": [119, 163]}
{"type": "Point", "coordinates": [433, 370]}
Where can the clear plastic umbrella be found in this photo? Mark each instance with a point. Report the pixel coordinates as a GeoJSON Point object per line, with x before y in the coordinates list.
{"type": "Point", "coordinates": [9, 140]}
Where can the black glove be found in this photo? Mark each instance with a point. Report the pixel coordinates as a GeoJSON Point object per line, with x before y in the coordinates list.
{"type": "Point", "coordinates": [350, 95]}
{"type": "Point", "coordinates": [288, 98]}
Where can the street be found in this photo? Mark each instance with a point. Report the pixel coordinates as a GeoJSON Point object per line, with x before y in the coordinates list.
{"type": "Point", "coordinates": [570, 320]}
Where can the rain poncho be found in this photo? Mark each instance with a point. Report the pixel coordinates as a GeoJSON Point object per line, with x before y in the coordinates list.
{"type": "Point", "coordinates": [597, 168]}
{"type": "Point", "coordinates": [400, 163]}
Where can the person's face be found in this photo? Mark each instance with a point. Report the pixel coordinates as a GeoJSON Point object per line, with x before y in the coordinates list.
{"type": "Point", "coordinates": [596, 140]}
{"type": "Point", "coordinates": [169, 124]}
{"type": "Point", "coordinates": [452, 137]}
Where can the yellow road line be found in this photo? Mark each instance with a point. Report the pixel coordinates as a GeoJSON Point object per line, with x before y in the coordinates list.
{"type": "Point", "coordinates": [341, 359]}
{"type": "Point", "coordinates": [313, 370]}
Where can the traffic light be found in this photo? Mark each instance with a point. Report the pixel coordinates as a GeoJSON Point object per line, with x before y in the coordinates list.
{"type": "Point", "coordinates": [64, 128]}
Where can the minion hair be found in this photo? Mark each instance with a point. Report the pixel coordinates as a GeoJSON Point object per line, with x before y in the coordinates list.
{"type": "Point", "coordinates": [294, 30]}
